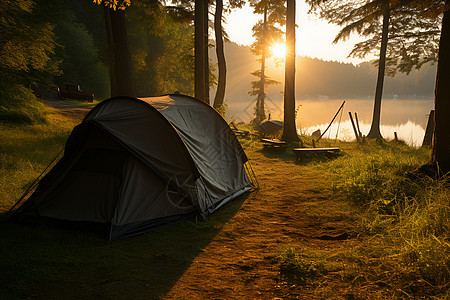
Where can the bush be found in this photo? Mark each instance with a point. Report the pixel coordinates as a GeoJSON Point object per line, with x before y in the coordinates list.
{"type": "Point", "coordinates": [19, 105]}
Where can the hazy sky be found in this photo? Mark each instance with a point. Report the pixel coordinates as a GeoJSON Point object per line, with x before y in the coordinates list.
{"type": "Point", "coordinates": [313, 36]}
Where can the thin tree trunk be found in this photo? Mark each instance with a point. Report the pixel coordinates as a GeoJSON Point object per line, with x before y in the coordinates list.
{"type": "Point", "coordinates": [205, 45]}
{"type": "Point", "coordinates": [110, 52]}
{"type": "Point", "coordinates": [289, 128]}
{"type": "Point", "coordinates": [222, 78]}
{"type": "Point", "coordinates": [441, 145]}
{"type": "Point", "coordinates": [260, 111]}
{"type": "Point", "coordinates": [375, 128]}
{"type": "Point", "coordinates": [122, 57]}
{"type": "Point", "coordinates": [199, 51]}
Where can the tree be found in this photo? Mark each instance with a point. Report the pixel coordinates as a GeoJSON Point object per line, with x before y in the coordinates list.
{"type": "Point", "coordinates": [220, 36]}
{"type": "Point", "coordinates": [79, 57]}
{"type": "Point", "coordinates": [409, 41]}
{"type": "Point", "coordinates": [27, 45]}
{"type": "Point", "coordinates": [374, 131]}
{"type": "Point", "coordinates": [221, 63]}
{"type": "Point", "coordinates": [289, 128]}
{"type": "Point", "coordinates": [441, 145]}
{"type": "Point", "coordinates": [122, 84]}
{"type": "Point", "coordinates": [203, 77]}
{"type": "Point", "coordinates": [162, 48]}
{"type": "Point", "coordinates": [440, 155]}
{"type": "Point", "coordinates": [429, 12]}
{"type": "Point", "coordinates": [205, 48]}
{"type": "Point", "coordinates": [199, 50]}
{"type": "Point", "coordinates": [266, 33]}
{"type": "Point", "coordinates": [26, 42]}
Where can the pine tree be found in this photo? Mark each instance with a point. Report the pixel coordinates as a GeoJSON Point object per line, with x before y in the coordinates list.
{"type": "Point", "coordinates": [289, 128]}
{"type": "Point", "coordinates": [266, 33]}
{"type": "Point", "coordinates": [403, 40]}
{"type": "Point", "coordinates": [419, 36]}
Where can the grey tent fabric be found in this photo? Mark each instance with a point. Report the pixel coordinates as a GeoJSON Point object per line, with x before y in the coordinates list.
{"type": "Point", "coordinates": [134, 163]}
{"type": "Point", "coordinates": [212, 145]}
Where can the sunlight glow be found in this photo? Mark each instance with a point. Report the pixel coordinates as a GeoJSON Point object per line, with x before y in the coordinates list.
{"type": "Point", "coordinates": [279, 50]}
{"type": "Point", "coordinates": [314, 36]}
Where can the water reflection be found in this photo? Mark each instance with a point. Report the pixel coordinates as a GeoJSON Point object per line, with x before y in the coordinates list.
{"type": "Point", "coordinates": [409, 132]}
{"type": "Point", "coordinates": [406, 117]}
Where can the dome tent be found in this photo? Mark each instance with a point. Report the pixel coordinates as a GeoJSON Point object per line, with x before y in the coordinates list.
{"type": "Point", "coordinates": [134, 163]}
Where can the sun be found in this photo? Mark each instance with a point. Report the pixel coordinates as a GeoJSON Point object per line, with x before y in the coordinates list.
{"type": "Point", "coordinates": [279, 50]}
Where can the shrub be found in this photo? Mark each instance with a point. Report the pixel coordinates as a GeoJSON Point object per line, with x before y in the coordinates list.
{"type": "Point", "coordinates": [19, 105]}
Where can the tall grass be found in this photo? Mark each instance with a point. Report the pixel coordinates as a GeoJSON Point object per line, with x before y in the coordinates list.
{"type": "Point", "coordinates": [404, 224]}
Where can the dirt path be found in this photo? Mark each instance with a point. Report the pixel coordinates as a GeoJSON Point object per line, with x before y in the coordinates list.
{"type": "Point", "coordinates": [69, 110]}
{"type": "Point", "coordinates": [295, 207]}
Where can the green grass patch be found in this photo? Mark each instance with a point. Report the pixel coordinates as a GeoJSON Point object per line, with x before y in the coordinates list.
{"type": "Point", "coordinates": [26, 150]}
{"type": "Point", "coordinates": [404, 223]}
{"type": "Point", "coordinates": [82, 103]}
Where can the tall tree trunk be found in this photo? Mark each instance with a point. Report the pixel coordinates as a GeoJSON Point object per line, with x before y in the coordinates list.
{"type": "Point", "coordinates": [260, 113]}
{"type": "Point", "coordinates": [441, 145]}
{"type": "Point", "coordinates": [205, 45]}
{"type": "Point", "coordinates": [289, 128]}
{"type": "Point", "coordinates": [122, 58]}
{"type": "Point", "coordinates": [110, 52]}
{"type": "Point", "coordinates": [199, 50]}
{"type": "Point", "coordinates": [222, 79]}
{"type": "Point", "coordinates": [375, 128]}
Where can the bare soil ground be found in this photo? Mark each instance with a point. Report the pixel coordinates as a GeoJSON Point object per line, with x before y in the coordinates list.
{"type": "Point", "coordinates": [294, 205]}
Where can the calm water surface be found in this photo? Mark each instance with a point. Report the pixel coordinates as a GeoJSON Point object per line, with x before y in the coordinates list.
{"type": "Point", "coordinates": [406, 117]}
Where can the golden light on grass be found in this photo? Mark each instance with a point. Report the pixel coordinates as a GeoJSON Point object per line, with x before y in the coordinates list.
{"type": "Point", "coordinates": [279, 50]}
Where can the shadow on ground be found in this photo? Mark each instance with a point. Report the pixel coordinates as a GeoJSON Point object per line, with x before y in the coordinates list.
{"type": "Point", "coordinates": [43, 262]}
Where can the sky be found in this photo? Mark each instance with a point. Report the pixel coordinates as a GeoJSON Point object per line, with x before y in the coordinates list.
{"type": "Point", "coordinates": [314, 37]}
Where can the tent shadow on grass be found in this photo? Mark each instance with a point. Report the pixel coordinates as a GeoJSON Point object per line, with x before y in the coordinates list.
{"type": "Point", "coordinates": [49, 263]}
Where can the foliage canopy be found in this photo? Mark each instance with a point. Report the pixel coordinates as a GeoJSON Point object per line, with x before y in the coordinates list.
{"type": "Point", "coordinates": [413, 30]}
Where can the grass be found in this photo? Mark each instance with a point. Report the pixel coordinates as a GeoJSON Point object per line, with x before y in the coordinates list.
{"type": "Point", "coordinates": [402, 249]}
{"type": "Point", "coordinates": [26, 150]}
{"type": "Point", "coordinates": [81, 103]}
{"type": "Point", "coordinates": [404, 224]}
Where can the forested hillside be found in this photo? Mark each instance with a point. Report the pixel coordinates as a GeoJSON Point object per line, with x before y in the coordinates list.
{"type": "Point", "coordinates": [61, 41]}
{"type": "Point", "coordinates": [316, 78]}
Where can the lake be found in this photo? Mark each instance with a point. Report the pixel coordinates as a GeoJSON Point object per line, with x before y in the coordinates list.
{"type": "Point", "coordinates": [406, 117]}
